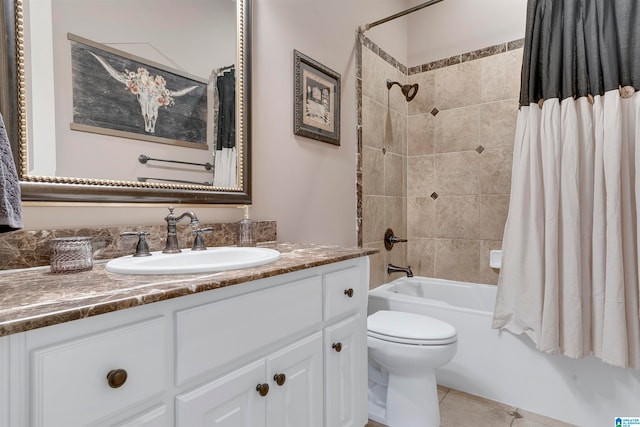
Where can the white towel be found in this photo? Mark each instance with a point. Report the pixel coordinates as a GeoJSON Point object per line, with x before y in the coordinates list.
{"type": "Point", "coordinates": [10, 207]}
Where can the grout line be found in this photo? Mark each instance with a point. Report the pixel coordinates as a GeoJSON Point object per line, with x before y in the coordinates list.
{"type": "Point", "coordinates": [446, 393]}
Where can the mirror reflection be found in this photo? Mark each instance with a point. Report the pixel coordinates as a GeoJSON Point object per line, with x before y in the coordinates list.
{"type": "Point", "coordinates": [136, 94]}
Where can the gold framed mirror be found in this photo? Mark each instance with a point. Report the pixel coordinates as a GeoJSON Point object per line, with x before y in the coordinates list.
{"type": "Point", "coordinates": [59, 67]}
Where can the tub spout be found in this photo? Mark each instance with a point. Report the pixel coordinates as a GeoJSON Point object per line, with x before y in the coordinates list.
{"type": "Point", "coordinates": [395, 269]}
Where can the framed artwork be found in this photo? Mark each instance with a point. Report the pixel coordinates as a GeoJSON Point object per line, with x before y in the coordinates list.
{"type": "Point", "coordinates": [316, 100]}
{"type": "Point", "coordinates": [119, 94]}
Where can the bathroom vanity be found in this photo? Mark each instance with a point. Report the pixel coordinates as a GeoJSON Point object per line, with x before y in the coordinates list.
{"type": "Point", "coordinates": [278, 345]}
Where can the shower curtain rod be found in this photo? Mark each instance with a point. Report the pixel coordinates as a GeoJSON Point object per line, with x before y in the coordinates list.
{"type": "Point", "coordinates": [366, 27]}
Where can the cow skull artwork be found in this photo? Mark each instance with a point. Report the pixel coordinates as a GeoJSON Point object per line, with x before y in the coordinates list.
{"type": "Point", "coordinates": [151, 92]}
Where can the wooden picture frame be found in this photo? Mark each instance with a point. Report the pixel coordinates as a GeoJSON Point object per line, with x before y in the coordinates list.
{"type": "Point", "coordinates": [316, 100]}
{"type": "Point", "coordinates": [122, 95]}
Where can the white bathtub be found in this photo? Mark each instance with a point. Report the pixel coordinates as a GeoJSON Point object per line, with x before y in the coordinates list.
{"type": "Point", "coordinates": [507, 368]}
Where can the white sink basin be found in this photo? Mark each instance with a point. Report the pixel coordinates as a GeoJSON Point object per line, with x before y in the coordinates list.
{"type": "Point", "coordinates": [188, 261]}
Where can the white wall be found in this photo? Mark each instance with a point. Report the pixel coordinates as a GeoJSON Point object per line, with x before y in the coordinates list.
{"type": "Point", "coordinates": [308, 187]}
{"type": "Point", "coordinates": [452, 27]}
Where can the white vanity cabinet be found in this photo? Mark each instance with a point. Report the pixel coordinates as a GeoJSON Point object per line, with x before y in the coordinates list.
{"type": "Point", "coordinates": [288, 350]}
{"type": "Point", "coordinates": [282, 390]}
{"type": "Point", "coordinates": [345, 349]}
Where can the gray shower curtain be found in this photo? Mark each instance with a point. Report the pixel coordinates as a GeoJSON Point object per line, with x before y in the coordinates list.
{"type": "Point", "coordinates": [570, 273]}
{"type": "Point", "coordinates": [576, 48]}
{"type": "Point", "coordinates": [222, 94]}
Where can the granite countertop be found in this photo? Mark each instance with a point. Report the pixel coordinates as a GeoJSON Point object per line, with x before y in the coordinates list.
{"type": "Point", "coordinates": [34, 297]}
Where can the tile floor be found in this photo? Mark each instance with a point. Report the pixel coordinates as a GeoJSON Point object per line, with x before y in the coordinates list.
{"type": "Point", "coordinates": [462, 409]}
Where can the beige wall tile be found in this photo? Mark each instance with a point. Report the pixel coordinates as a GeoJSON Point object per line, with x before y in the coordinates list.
{"type": "Point", "coordinates": [488, 275]}
{"type": "Point", "coordinates": [373, 179]}
{"type": "Point", "coordinates": [375, 72]}
{"type": "Point", "coordinates": [420, 134]}
{"type": "Point", "coordinates": [374, 119]}
{"type": "Point", "coordinates": [395, 133]}
{"type": "Point", "coordinates": [424, 101]}
{"type": "Point", "coordinates": [373, 218]}
{"type": "Point", "coordinates": [395, 175]}
{"type": "Point", "coordinates": [378, 265]}
{"type": "Point", "coordinates": [457, 217]}
{"type": "Point", "coordinates": [421, 213]}
{"type": "Point", "coordinates": [395, 217]}
{"type": "Point", "coordinates": [420, 176]}
{"type": "Point", "coordinates": [458, 85]}
{"type": "Point", "coordinates": [500, 76]}
{"type": "Point", "coordinates": [498, 123]}
{"type": "Point", "coordinates": [457, 173]}
{"type": "Point", "coordinates": [450, 237]}
{"type": "Point", "coordinates": [457, 259]}
{"type": "Point", "coordinates": [457, 129]}
{"type": "Point", "coordinates": [421, 256]}
{"type": "Point", "coordinates": [493, 215]}
{"type": "Point", "coordinates": [494, 172]}
{"type": "Point", "coordinates": [397, 256]}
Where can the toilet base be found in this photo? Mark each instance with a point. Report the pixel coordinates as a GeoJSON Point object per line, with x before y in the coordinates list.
{"type": "Point", "coordinates": [402, 401]}
{"type": "Point", "coordinates": [413, 401]}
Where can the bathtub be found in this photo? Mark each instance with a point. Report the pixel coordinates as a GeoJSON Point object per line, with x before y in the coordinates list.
{"type": "Point", "coordinates": [507, 368]}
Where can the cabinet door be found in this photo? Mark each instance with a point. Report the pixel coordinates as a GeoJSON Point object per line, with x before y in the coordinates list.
{"type": "Point", "coordinates": [295, 377]}
{"type": "Point", "coordinates": [346, 373]}
{"type": "Point", "coordinates": [231, 401]}
{"type": "Point", "coordinates": [95, 378]}
{"type": "Point", "coordinates": [156, 417]}
{"type": "Point", "coordinates": [260, 318]}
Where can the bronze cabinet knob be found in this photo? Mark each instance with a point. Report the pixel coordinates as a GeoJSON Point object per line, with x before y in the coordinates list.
{"type": "Point", "coordinates": [348, 292]}
{"type": "Point", "coordinates": [263, 389]}
{"type": "Point", "coordinates": [116, 378]}
{"type": "Point", "coordinates": [280, 378]}
{"type": "Point", "coordinates": [337, 346]}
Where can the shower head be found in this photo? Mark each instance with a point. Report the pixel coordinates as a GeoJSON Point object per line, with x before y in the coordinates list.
{"type": "Point", "coordinates": [409, 91]}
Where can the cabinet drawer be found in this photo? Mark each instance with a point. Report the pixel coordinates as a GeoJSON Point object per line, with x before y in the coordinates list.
{"type": "Point", "coordinates": [216, 334]}
{"type": "Point", "coordinates": [342, 291]}
{"type": "Point", "coordinates": [70, 385]}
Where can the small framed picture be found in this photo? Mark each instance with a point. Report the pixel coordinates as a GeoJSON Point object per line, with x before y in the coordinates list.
{"type": "Point", "coordinates": [316, 100]}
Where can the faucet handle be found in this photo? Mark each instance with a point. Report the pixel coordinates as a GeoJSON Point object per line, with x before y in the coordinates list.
{"type": "Point", "coordinates": [198, 242]}
{"type": "Point", "coordinates": [142, 247]}
{"type": "Point", "coordinates": [390, 239]}
{"type": "Point", "coordinates": [171, 217]}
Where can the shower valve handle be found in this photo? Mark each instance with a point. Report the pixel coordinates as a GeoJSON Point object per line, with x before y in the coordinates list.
{"type": "Point", "coordinates": [390, 239]}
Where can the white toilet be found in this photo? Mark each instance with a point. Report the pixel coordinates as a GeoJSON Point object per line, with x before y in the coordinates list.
{"type": "Point", "coordinates": [405, 349]}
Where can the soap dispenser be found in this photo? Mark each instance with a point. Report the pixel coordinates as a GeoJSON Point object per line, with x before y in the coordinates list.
{"type": "Point", "coordinates": [245, 230]}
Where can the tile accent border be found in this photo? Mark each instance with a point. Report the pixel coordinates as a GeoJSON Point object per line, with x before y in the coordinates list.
{"type": "Point", "coordinates": [446, 62]}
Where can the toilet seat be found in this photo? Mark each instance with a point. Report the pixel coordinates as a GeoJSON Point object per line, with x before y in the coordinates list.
{"type": "Point", "coordinates": [409, 328]}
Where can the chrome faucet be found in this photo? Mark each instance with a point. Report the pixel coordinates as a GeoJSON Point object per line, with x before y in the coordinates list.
{"type": "Point", "coordinates": [172, 236]}
{"type": "Point", "coordinates": [395, 269]}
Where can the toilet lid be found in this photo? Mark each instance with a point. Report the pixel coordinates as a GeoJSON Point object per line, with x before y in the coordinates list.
{"type": "Point", "coordinates": [410, 328]}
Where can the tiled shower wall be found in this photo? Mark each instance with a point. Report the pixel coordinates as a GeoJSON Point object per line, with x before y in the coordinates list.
{"type": "Point", "coordinates": [383, 157]}
{"type": "Point", "coordinates": [437, 169]}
